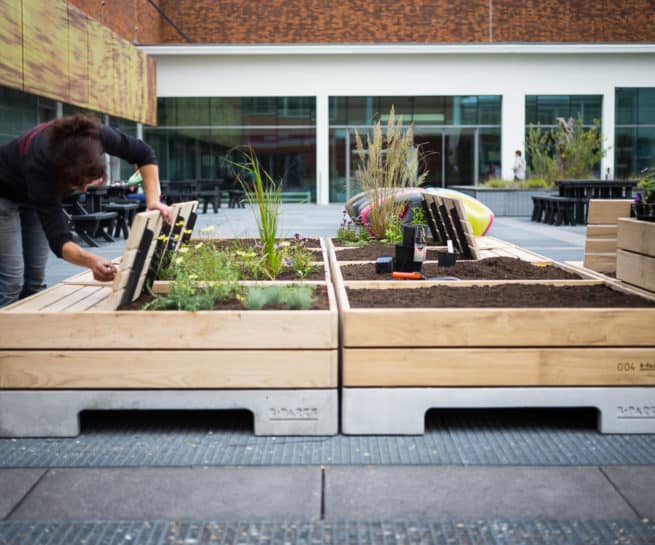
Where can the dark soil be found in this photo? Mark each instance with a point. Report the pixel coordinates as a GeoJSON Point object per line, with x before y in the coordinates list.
{"type": "Point", "coordinates": [320, 296]}
{"type": "Point", "coordinates": [371, 251]}
{"type": "Point", "coordinates": [290, 274]}
{"type": "Point", "coordinates": [506, 296]}
{"type": "Point", "coordinates": [492, 268]}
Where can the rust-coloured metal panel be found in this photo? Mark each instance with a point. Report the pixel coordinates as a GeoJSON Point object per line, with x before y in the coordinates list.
{"type": "Point", "coordinates": [78, 57]}
{"type": "Point", "coordinates": [11, 44]}
{"type": "Point", "coordinates": [101, 68]}
{"type": "Point", "coordinates": [151, 98]}
{"type": "Point", "coordinates": [45, 48]}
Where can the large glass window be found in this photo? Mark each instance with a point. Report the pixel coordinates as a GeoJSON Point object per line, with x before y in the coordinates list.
{"type": "Point", "coordinates": [196, 137]}
{"type": "Point", "coordinates": [459, 136]}
{"type": "Point", "coordinates": [20, 112]}
{"type": "Point", "coordinates": [635, 131]}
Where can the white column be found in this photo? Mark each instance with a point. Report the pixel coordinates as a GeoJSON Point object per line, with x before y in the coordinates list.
{"type": "Point", "coordinates": [322, 149]}
{"type": "Point", "coordinates": [139, 131]}
{"type": "Point", "coordinates": [60, 110]}
{"type": "Point", "coordinates": [513, 130]}
{"type": "Point", "coordinates": [608, 122]}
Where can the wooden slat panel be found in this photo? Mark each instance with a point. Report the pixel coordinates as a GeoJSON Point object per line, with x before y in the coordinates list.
{"type": "Point", "coordinates": [636, 269]}
{"type": "Point", "coordinates": [45, 48]}
{"type": "Point", "coordinates": [636, 236]}
{"type": "Point", "coordinates": [165, 369]}
{"type": "Point", "coordinates": [601, 231]}
{"type": "Point", "coordinates": [78, 56]}
{"type": "Point", "coordinates": [497, 327]}
{"type": "Point", "coordinates": [94, 295]}
{"type": "Point", "coordinates": [608, 211]}
{"type": "Point", "coordinates": [101, 67]}
{"type": "Point", "coordinates": [313, 329]}
{"type": "Point", "coordinates": [600, 245]}
{"type": "Point", "coordinates": [604, 263]}
{"type": "Point", "coordinates": [427, 367]}
{"type": "Point", "coordinates": [43, 299]}
{"type": "Point", "coordinates": [73, 300]}
{"type": "Point", "coordinates": [11, 43]}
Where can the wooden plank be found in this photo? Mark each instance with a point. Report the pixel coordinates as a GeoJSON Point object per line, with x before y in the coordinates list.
{"type": "Point", "coordinates": [43, 299]}
{"type": "Point", "coordinates": [600, 245]}
{"type": "Point", "coordinates": [608, 211]}
{"type": "Point", "coordinates": [101, 67]}
{"type": "Point", "coordinates": [427, 367]}
{"type": "Point", "coordinates": [604, 263]}
{"type": "Point", "coordinates": [95, 295]}
{"type": "Point", "coordinates": [78, 56]}
{"type": "Point", "coordinates": [636, 269]}
{"type": "Point", "coordinates": [408, 284]}
{"type": "Point", "coordinates": [165, 369]}
{"type": "Point", "coordinates": [71, 300]}
{"type": "Point", "coordinates": [601, 231]}
{"type": "Point", "coordinates": [203, 330]}
{"type": "Point", "coordinates": [11, 43]}
{"type": "Point", "coordinates": [469, 238]}
{"type": "Point", "coordinates": [636, 236]}
{"type": "Point", "coordinates": [448, 327]}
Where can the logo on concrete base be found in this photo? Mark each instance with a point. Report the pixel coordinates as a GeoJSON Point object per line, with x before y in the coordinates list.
{"type": "Point", "coordinates": [293, 413]}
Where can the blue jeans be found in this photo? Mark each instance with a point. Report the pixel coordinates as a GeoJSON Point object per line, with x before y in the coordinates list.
{"type": "Point", "coordinates": [23, 252]}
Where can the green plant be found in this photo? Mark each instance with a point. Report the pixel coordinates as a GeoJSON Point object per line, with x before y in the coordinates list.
{"type": "Point", "coordinates": [388, 163]}
{"type": "Point", "coordinates": [537, 183]}
{"type": "Point", "coordinates": [299, 257]}
{"type": "Point", "coordinates": [294, 297]}
{"type": "Point", "coordinates": [393, 233]}
{"type": "Point", "coordinates": [265, 197]}
{"type": "Point", "coordinates": [647, 187]}
{"type": "Point", "coordinates": [184, 294]}
{"type": "Point", "coordinates": [539, 145]}
{"type": "Point", "coordinates": [418, 215]}
{"type": "Point", "coordinates": [498, 183]}
{"type": "Point", "coordinates": [350, 233]}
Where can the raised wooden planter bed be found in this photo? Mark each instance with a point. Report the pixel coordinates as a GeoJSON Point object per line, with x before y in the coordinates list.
{"type": "Point", "coordinates": [635, 255]}
{"type": "Point", "coordinates": [397, 363]}
{"type": "Point", "coordinates": [62, 352]}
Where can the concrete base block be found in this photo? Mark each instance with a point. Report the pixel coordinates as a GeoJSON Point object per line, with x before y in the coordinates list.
{"type": "Point", "coordinates": [55, 413]}
{"type": "Point", "coordinates": [401, 411]}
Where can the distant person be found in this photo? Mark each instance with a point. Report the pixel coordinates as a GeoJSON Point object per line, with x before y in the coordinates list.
{"type": "Point", "coordinates": [519, 167]}
{"type": "Point", "coordinates": [37, 171]}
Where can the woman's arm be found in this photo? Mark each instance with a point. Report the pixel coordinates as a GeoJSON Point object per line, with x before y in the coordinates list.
{"type": "Point", "coordinates": [103, 269]}
{"type": "Point", "coordinates": [150, 175]}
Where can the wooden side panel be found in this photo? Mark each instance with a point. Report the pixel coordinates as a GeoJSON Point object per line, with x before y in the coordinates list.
{"type": "Point", "coordinates": [41, 300]}
{"type": "Point", "coordinates": [150, 102]}
{"type": "Point", "coordinates": [496, 327]}
{"type": "Point", "coordinates": [636, 236]}
{"type": "Point", "coordinates": [11, 43]}
{"type": "Point", "coordinates": [425, 367]}
{"type": "Point", "coordinates": [601, 231]}
{"type": "Point", "coordinates": [101, 68]}
{"type": "Point", "coordinates": [162, 330]}
{"type": "Point", "coordinates": [608, 211]}
{"type": "Point", "coordinates": [636, 269]}
{"type": "Point", "coordinates": [165, 369]}
{"type": "Point", "coordinates": [45, 48]}
{"type": "Point", "coordinates": [78, 56]}
{"type": "Point", "coordinates": [600, 245]}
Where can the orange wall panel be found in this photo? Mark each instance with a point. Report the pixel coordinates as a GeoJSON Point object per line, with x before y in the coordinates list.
{"type": "Point", "coordinates": [45, 48]}
{"type": "Point", "coordinates": [78, 57]}
{"type": "Point", "coordinates": [11, 43]}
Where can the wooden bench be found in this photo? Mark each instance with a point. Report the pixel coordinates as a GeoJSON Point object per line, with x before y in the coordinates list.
{"type": "Point", "coordinates": [556, 210]}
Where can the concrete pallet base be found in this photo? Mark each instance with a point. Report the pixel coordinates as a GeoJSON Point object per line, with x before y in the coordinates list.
{"type": "Point", "coordinates": [401, 411]}
{"type": "Point", "coordinates": [54, 413]}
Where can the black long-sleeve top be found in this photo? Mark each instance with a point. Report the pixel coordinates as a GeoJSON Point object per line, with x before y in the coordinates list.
{"type": "Point", "coordinates": [26, 175]}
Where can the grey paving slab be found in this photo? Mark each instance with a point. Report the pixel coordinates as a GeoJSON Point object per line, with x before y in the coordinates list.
{"type": "Point", "coordinates": [486, 532]}
{"type": "Point", "coordinates": [14, 484]}
{"type": "Point", "coordinates": [637, 485]}
{"type": "Point", "coordinates": [444, 493]}
{"type": "Point", "coordinates": [187, 494]}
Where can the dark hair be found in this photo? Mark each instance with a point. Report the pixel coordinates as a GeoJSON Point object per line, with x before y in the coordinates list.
{"type": "Point", "coordinates": [518, 152]}
{"type": "Point", "coordinates": [74, 151]}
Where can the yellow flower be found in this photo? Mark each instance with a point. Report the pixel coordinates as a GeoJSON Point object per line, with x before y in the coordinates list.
{"type": "Point", "coordinates": [240, 297]}
{"type": "Point", "coordinates": [199, 245]}
{"type": "Point", "coordinates": [188, 231]}
{"type": "Point", "coordinates": [207, 229]}
{"type": "Point", "coordinates": [178, 260]}
{"type": "Point", "coordinates": [193, 277]}
{"type": "Point", "coordinates": [163, 238]}
{"type": "Point", "coordinates": [183, 250]}
{"type": "Point", "coordinates": [180, 223]}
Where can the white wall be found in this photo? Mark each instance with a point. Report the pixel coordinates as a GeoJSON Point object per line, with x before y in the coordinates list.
{"type": "Point", "coordinates": [512, 71]}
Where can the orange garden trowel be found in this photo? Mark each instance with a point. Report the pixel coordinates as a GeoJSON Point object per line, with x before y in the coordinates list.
{"type": "Point", "coordinates": [397, 275]}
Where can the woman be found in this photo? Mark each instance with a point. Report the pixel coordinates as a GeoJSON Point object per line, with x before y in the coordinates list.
{"type": "Point", "coordinates": [39, 169]}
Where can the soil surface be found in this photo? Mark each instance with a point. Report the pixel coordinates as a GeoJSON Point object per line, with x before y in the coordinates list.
{"type": "Point", "coordinates": [506, 296]}
{"type": "Point", "coordinates": [371, 251]}
{"type": "Point", "coordinates": [491, 268]}
{"type": "Point", "coordinates": [290, 274]}
{"type": "Point", "coordinates": [320, 295]}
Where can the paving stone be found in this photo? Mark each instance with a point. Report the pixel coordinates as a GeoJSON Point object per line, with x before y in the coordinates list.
{"type": "Point", "coordinates": [190, 494]}
{"type": "Point", "coordinates": [637, 485]}
{"type": "Point", "coordinates": [471, 493]}
{"type": "Point", "coordinates": [14, 484]}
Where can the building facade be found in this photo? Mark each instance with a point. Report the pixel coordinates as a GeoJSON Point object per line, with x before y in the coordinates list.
{"type": "Point", "coordinates": [297, 79]}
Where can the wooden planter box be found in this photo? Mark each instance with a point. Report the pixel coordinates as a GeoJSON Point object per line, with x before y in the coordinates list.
{"type": "Point", "coordinates": [60, 354]}
{"type": "Point", "coordinates": [635, 255]}
{"type": "Point", "coordinates": [397, 363]}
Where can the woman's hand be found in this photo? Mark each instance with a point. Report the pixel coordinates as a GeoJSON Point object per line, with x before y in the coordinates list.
{"type": "Point", "coordinates": [164, 210]}
{"type": "Point", "coordinates": [103, 270]}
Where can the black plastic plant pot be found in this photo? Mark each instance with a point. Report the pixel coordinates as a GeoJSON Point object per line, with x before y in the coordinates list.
{"type": "Point", "coordinates": [404, 260]}
{"type": "Point", "coordinates": [414, 234]}
{"type": "Point", "coordinates": [644, 211]}
{"type": "Point", "coordinates": [446, 259]}
{"type": "Point", "coordinates": [384, 264]}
